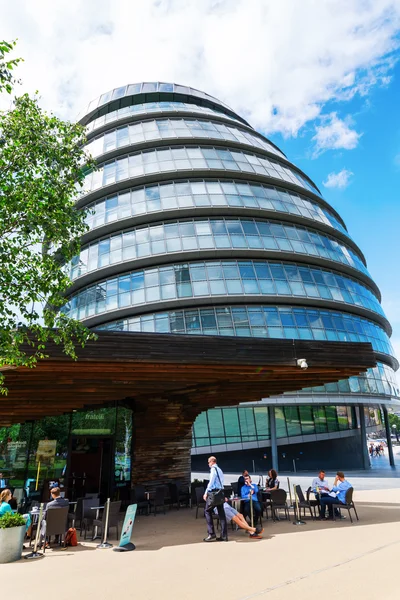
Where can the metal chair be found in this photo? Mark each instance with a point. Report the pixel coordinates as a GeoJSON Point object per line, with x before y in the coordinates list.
{"type": "Point", "coordinates": [183, 494]}
{"type": "Point", "coordinates": [349, 504]}
{"type": "Point", "coordinates": [173, 495]}
{"type": "Point", "coordinates": [56, 523]}
{"type": "Point", "coordinates": [314, 503]}
{"type": "Point", "coordinates": [88, 515]}
{"type": "Point", "coordinates": [234, 486]}
{"type": "Point", "coordinates": [199, 499]}
{"type": "Point", "coordinates": [302, 503]}
{"type": "Point", "coordinates": [276, 503]}
{"type": "Point", "coordinates": [138, 496]}
{"type": "Point", "coordinates": [159, 498]}
{"type": "Point", "coordinates": [76, 515]}
{"type": "Point", "coordinates": [113, 518]}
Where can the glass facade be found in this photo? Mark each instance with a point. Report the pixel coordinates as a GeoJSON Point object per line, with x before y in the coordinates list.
{"type": "Point", "coordinates": [206, 234]}
{"type": "Point", "coordinates": [286, 269]}
{"type": "Point", "coordinates": [381, 380]}
{"type": "Point", "coordinates": [251, 424]}
{"type": "Point", "coordinates": [165, 129]}
{"type": "Point", "coordinates": [152, 88]}
{"type": "Point", "coordinates": [149, 108]}
{"type": "Point", "coordinates": [261, 321]}
{"type": "Point", "coordinates": [206, 193]}
{"type": "Point", "coordinates": [190, 158]}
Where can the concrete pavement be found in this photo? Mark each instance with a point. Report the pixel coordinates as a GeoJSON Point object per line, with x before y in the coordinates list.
{"type": "Point", "coordinates": [328, 559]}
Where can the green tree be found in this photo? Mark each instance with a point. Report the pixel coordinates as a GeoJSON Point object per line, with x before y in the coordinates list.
{"type": "Point", "coordinates": [394, 420]}
{"type": "Point", "coordinates": [42, 167]}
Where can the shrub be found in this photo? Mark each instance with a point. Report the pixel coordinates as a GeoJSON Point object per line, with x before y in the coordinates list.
{"type": "Point", "coordinates": [11, 520]}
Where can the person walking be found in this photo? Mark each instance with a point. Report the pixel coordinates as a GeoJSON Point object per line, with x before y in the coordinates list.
{"type": "Point", "coordinates": [216, 483]}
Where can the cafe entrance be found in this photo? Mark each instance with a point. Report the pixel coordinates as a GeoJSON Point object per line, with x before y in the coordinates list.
{"type": "Point", "coordinates": [91, 466]}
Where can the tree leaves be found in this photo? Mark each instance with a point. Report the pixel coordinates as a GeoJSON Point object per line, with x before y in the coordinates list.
{"type": "Point", "coordinates": [41, 171]}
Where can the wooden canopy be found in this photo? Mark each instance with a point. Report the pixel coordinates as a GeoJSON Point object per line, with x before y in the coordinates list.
{"type": "Point", "coordinates": [200, 372]}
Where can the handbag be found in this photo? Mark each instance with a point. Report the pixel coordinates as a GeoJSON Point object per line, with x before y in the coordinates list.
{"type": "Point", "coordinates": [216, 497]}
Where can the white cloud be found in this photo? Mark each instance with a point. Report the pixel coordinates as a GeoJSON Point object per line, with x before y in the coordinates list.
{"type": "Point", "coordinates": [278, 63]}
{"type": "Point", "coordinates": [335, 134]}
{"type": "Point", "coordinates": [338, 180]}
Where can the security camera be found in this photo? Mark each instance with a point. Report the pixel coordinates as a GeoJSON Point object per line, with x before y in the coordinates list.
{"type": "Point", "coordinates": [302, 363]}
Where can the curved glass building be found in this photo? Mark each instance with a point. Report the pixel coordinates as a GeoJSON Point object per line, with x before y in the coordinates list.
{"type": "Point", "coordinates": [199, 224]}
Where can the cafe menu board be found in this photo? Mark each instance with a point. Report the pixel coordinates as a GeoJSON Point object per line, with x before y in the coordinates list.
{"type": "Point", "coordinates": [46, 452]}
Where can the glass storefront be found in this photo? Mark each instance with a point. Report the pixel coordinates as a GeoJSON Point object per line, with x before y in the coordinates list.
{"type": "Point", "coordinates": [251, 424]}
{"type": "Point", "coordinates": [85, 451]}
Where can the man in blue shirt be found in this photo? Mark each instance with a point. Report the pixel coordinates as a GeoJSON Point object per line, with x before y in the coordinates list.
{"type": "Point", "coordinates": [3, 483]}
{"type": "Point", "coordinates": [340, 487]}
{"type": "Point", "coordinates": [250, 489]}
{"type": "Point", "coordinates": [216, 483]}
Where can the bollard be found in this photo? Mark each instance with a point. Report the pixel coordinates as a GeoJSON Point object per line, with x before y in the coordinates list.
{"type": "Point", "coordinates": [104, 543]}
{"type": "Point", "coordinates": [35, 553]}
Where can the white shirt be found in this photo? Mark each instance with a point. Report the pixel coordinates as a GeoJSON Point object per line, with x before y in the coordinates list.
{"type": "Point", "coordinates": [321, 483]}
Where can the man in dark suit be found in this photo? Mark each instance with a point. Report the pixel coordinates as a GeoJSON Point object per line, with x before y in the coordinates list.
{"type": "Point", "coordinates": [57, 501]}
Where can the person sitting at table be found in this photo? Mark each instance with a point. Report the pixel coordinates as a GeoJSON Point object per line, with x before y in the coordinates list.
{"type": "Point", "coordinates": [5, 497]}
{"type": "Point", "coordinates": [241, 481]}
{"type": "Point", "coordinates": [320, 485]}
{"type": "Point", "coordinates": [56, 502]}
{"type": "Point", "coordinates": [340, 487]}
{"type": "Point", "coordinates": [272, 482]}
{"type": "Point", "coordinates": [251, 489]}
{"type": "Point", "coordinates": [233, 515]}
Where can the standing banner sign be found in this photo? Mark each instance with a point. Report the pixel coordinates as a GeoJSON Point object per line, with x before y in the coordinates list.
{"type": "Point", "coordinates": [125, 543]}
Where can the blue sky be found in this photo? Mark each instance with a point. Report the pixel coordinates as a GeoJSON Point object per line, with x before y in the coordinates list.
{"type": "Point", "coordinates": [370, 203]}
{"type": "Point", "coordinates": [320, 78]}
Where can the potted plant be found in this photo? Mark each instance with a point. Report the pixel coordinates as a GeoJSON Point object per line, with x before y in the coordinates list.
{"type": "Point", "coordinates": [12, 531]}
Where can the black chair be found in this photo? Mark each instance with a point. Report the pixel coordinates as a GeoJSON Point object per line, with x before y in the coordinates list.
{"type": "Point", "coordinates": [301, 503]}
{"type": "Point", "coordinates": [76, 515]}
{"type": "Point", "coordinates": [200, 502]}
{"type": "Point", "coordinates": [228, 491]}
{"type": "Point", "coordinates": [113, 518]}
{"type": "Point", "coordinates": [314, 503]}
{"type": "Point", "coordinates": [56, 523]}
{"type": "Point", "coordinates": [173, 495]}
{"type": "Point", "coordinates": [88, 513]}
{"type": "Point", "coordinates": [183, 494]}
{"type": "Point", "coordinates": [348, 505]}
{"type": "Point", "coordinates": [276, 503]}
{"type": "Point", "coordinates": [215, 517]}
{"type": "Point", "coordinates": [234, 486]}
{"type": "Point", "coordinates": [138, 496]}
{"type": "Point", "coordinates": [159, 499]}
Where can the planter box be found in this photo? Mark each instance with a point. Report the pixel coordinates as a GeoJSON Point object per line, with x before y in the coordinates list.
{"type": "Point", "coordinates": [11, 541]}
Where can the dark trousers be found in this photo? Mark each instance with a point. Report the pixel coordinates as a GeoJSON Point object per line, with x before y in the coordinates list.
{"type": "Point", "coordinates": [208, 512]}
{"type": "Point", "coordinates": [318, 497]}
{"type": "Point", "coordinates": [328, 501]}
{"type": "Point", "coordinates": [256, 510]}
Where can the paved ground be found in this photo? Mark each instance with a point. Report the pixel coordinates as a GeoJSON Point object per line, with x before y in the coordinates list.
{"type": "Point", "coordinates": [329, 560]}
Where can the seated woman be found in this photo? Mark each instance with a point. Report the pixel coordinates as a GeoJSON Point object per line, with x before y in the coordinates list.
{"type": "Point", "coordinates": [5, 507]}
{"type": "Point", "coordinates": [272, 483]}
{"type": "Point", "coordinates": [5, 497]}
{"type": "Point", "coordinates": [233, 515]}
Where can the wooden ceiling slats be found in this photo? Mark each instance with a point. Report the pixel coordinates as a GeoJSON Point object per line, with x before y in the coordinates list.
{"type": "Point", "coordinates": [206, 371]}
